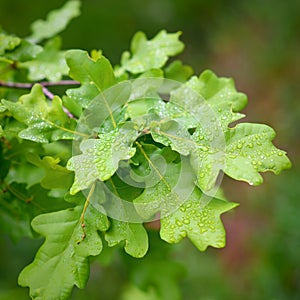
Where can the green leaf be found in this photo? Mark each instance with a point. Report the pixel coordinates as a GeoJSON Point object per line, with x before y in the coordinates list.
{"type": "Point", "coordinates": [134, 235]}
{"type": "Point", "coordinates": [56, 176]}
{"type": "Point", "coordinates": [62, 261]}
{"type": "Point", "coordinates": [24, 51]}
{"type": "Point", "coordinates": [218, 90]}
{"type": "Point", "coordinates": [200, 223]}
{"type": "Point", "coordinates": [172, 134]}
{"type": "Point", "coordinates": [140, 108]}
{"type": "Point", "coordinates": [56, 21]}
{"type": "Point", "coordinates": [8, 42]}
{"type": "Point", "coordinates": [100, 157]}
{"type": "Point", "coordinates": [95, 75]}
{"type": "Point", "coordinates": [221, 96]}
{"type": "Point", "coordinates": [207, 99]}
{"type": "Point", "coordinates": [151, 54]}
{"type": "Point", "coordinates": [178, 71]}
{"type": "Point", "coordinates": [167, 183]}
{"type": "Point", "coordinates": [249, 150]}
{"type": "Point", "coordinates": [23, 172]}
{"type": "Point", "coordinates": [45, 122]}
{"type": "Point", "coordinates": [49, 64]}
{"type": "Point", "coordinates": [176, 111]}
{"type": "Point", "coordinates": [85, 69]}
{"type": "Point", "coordinates": [73, 106]}
{"type": "Point", "coordinates": [210, 111]}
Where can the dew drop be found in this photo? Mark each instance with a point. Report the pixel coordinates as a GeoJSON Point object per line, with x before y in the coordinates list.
{"type": "Point", "coordinates": [179, 223]}
{"type": "Point", "coordinates": [203, 148]}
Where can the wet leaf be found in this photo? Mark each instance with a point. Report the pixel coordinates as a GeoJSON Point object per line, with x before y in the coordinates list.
{"type": "Point", "coordinates": [45, 121]}
{"type": "Point", "coordinates": [151, 54]}
{"type": "Point", "coordinates": [199, 222]}
{"type": "Point", "coordinates": [134, 235]}
{"type": "Point", "coordinates": [62, 261]}
{"type": "Point", "coordinates": [49, 64]}
{"type": "Point", "coordinates": [100, 157]}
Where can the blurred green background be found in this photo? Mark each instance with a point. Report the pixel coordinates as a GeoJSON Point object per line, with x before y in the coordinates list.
{"type": "Point", "coordinates": [258, 44]}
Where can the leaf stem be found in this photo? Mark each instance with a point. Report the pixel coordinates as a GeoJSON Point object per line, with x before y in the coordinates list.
{"type": "Point", "coordinates": [86, 204]}
{"type": "Point", "coordinates": [67, 130]}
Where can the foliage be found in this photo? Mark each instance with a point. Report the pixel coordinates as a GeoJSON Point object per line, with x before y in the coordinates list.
{"type": "Point", "coordinates": [87, 169]}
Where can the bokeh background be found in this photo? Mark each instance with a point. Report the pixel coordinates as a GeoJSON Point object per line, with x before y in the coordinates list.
{"type": "Point", "coordinates": [258, 44]}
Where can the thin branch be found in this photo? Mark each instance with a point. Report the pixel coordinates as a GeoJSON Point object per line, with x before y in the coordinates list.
{"type": "Point", "coordinates": [48, 93]}
{"type": "Point", "coordinates": [61, 82]}
{"type": "Point", "coordinates": [44, 84]}
{"type": "Point", "coordinates": [21, 85]}
{"type": "Point", "coordinates": [16, 85]}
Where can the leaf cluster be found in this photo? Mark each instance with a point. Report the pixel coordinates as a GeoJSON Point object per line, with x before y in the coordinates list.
{"type": "Point", "coordinates": [143, 141]}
